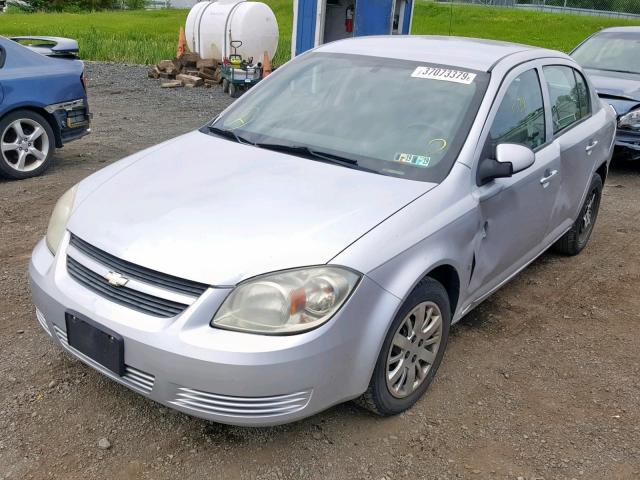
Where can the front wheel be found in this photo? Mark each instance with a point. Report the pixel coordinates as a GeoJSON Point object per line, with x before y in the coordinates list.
{"type": "Point", "coordinates": [412, 351]}
{"type": "Point", "coordinates": [225, 85]}
{"type": "Point", "coordinates": [26, 143]}
{"type": "Point", "coordinates": [574, 241]}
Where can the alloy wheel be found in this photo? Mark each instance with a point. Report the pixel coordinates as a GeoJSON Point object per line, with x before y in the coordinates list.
{"type": "Point", "coordinates": [24, 145]}
{"type": "Point", "coordinates": [589, 216]}
{"type": "Point", "coordinates": [414, 349]}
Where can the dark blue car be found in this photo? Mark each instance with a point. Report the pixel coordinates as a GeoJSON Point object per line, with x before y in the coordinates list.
{"type": "Point", "coordinates": [611, 58]}
{"type": "Point", "coordinates": [43, 104]}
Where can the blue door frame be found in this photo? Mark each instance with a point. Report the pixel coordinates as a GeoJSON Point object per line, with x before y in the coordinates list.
{"type": "Point", "coordinates": [306, 27]}
{"type": "Point", "coordinates": [373, 17]}
{"type": "Point", "coordinates": [408, 10]}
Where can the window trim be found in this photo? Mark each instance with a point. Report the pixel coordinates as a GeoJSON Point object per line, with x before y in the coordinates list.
{"type": "Point", "coordinates": [569, 127]}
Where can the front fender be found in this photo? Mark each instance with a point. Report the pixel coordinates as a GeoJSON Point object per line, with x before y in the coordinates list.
{"type": "Point", "coordinates": [439, 228]}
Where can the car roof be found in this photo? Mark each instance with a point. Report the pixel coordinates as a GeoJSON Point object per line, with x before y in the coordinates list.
{"type": "Point", "coordinates": [633, 29]}
{"type": "Point", "coordinates": [462, 52]}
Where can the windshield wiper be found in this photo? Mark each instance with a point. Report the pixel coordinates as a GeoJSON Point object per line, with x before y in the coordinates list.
{"type": "Point", "coordinates": [230, 134]}
{"type": "Point", "coordinates": [303, 150]}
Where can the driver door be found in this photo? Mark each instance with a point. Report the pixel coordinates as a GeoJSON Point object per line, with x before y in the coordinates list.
{"type": "Point", "coordinates": [515, 212]}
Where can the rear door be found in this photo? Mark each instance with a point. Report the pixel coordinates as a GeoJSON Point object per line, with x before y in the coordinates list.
{"type": "Point", "coordinates": [515, 212]}
{"type": "Point", "coordinates": [580, 134]}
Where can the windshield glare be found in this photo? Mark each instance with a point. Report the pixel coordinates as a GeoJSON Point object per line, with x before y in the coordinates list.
{"type": "Point", "coordinates": [615, 51]}
{"type": "Point", "coordinates": [368, 109]}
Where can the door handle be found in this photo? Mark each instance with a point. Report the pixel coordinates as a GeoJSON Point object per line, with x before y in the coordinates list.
{"type": "Point", "coordinates": [589, 148]}
{"type": "Point", "coordinates": [548, 176]}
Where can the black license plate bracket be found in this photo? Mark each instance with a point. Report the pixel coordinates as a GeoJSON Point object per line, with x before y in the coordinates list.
{"type": "Point", "coordinates": [96, 342]}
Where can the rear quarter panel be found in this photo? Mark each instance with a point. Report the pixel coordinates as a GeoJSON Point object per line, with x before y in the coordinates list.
{"type": "Point", "coordinates": [30, 79]}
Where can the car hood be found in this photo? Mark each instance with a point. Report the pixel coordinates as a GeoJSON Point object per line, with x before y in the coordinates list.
{"type": "Point", "coordinates": [214, 211]}
{"type": "Point", "coordinates": [616, 84]}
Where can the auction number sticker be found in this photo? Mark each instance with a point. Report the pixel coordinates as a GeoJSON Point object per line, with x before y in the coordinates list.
{"type": "Point", "coordinates": [445, 74]}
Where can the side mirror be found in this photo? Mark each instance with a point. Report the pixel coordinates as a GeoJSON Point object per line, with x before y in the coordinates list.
{"type": "Point", "coordinates": [510, 158]}
{"type": "Point", "coordinates": [521, 157]}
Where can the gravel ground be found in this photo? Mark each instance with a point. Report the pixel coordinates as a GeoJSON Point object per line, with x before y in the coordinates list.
{"type": "Point", "coordinates": [540, 382]}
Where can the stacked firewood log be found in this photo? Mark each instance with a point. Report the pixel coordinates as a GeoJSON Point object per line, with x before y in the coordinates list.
{"type": "Point", "coordinates": [189, 70]}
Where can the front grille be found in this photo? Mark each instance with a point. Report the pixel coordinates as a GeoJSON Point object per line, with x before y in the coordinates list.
{"type": "Point", "coordinates": [214, 404]}
{"type": "Point", "coordinates": [133, 378]}
{"type": "Point", "coordinates": [136, 300]}
{"type": "Point", "coordinates": [143, 274]}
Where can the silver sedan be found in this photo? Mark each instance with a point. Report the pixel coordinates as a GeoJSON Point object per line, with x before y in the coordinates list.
{"type": "Point", "coordinates": [315, 242]}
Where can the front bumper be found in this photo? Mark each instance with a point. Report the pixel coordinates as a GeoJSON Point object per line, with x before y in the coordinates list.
{"type": "Point", "coordinates": [627, 144]}
{"type": "Point", "coordinates": [229, 377]}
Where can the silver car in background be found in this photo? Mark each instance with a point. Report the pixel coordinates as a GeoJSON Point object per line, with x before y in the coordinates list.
{"type": "Point", "coordinates": [315, 242]}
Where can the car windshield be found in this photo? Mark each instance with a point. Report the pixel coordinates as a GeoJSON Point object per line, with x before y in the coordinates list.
{"type": "Point", "coordinates": [613, 51]}
{"type": "Point", "coordinates": [393, 117]}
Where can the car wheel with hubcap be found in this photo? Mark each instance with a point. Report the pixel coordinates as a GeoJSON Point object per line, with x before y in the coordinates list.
{"type": "Point", "coordinates": [412, 351]}
{"type": "Point", "coordinates": [26, 144]}
{"type": "Point", "coordinates": [574, 241]}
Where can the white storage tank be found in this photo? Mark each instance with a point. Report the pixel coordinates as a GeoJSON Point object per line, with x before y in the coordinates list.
{"type": "Point", "coordinates": [212, 25]}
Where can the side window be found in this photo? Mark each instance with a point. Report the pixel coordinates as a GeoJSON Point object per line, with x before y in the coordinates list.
{"type": "Point", "coordinates": [564, 96]}
{"type": "Point", "coordinates": [520, 117]}
{"type": "Point", "coordinates": [583, 95]}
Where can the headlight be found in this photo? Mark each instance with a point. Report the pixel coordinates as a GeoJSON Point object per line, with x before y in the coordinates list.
{"type": "Point", "coordinates": [59, 219]}
{"type": "Point", "coordinates": [286, 302]}
{"type": "Point", "coordinates": [630, 120]}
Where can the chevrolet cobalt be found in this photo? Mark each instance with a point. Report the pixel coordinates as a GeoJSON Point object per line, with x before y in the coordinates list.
{"type": "Point", "coordinates": [315, 242]}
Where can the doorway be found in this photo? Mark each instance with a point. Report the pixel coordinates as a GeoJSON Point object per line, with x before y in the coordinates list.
{"type": "Point", "coordinates": [339, 19]}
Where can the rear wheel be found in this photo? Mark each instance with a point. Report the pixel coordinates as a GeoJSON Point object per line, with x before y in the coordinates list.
{"type": "Point", "coordinates": [26, 144]}
{"type": "Point", "coordinates": [225, 85]}
{"type": "Point", "coordinates": [412, 351]}
{"type": "Point", "coordinates": [574, 241]}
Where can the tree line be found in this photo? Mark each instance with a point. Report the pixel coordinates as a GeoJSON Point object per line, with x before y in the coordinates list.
{"type": "Point", "coordinates": [79, 5]}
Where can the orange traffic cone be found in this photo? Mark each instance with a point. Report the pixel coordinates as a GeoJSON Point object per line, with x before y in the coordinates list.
{"type": "Point", "coordinates": [266, 65]}
{"type": "Point", "coordinates": [182, 43]}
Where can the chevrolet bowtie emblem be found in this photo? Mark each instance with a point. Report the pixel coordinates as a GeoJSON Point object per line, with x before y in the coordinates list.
{"type": "Point", "coordinates": [116, 279]}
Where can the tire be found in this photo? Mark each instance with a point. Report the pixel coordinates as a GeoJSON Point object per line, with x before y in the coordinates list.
{"type": "Point", "coordinates": [22, 154]}
{"type": "Point", "coordinates": [234, 90]}
{"type": "Point", "coordinates": [225, 85]}
{"type": "Point", "coordinates": [574, 241]}
{"type": "Point", "coordinates": [388, 397]}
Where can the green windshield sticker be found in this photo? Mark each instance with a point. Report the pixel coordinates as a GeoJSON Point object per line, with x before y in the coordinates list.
{"type": "Point", "coordinates": [415, 160]}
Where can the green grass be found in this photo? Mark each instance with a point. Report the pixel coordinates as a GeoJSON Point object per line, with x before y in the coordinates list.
{"type": "Point", "coordinates": [149, 36]}
{"type": "Point", "coordinates": [550, 30]}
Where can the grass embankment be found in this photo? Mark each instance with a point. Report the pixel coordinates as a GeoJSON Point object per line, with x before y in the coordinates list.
{"type": "Point", "coordinates": [149, 36]}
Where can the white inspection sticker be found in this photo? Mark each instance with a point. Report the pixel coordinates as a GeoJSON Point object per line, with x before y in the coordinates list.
{"type": "Point", "coordinates": [436, 73]}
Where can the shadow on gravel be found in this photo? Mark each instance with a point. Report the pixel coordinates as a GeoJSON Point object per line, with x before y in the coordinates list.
{"type": "Point", "coordinates": [620, 165]}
